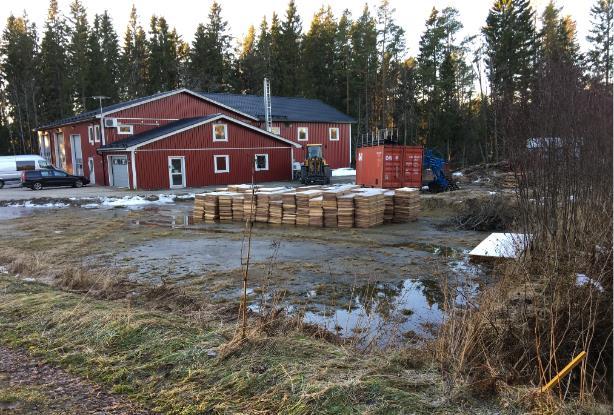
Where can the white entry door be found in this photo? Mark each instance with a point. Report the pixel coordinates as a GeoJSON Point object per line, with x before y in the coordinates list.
{"type": "Point", "coordinates": [90, 165]}
{"type": "Point", "coordinates": [60, 153]}
{"type": "Point", "coordinates": [176, 172]}
{"type": "Point", "coordinates": [77, 157]}
{"type": "Point", "coordinates": [119, 171]}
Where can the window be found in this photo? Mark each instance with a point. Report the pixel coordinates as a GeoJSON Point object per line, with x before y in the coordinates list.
{"type": "Point", "coordinates": [262, 162]}
{"type": "Point", "coordinates": [25, 165]}
{"type": "Point", "coordinates": [124, 129]}
{"type": "Point", "coordinates": [276, 130]}
{"type": "Point", "coordinates": [58, 173]}
{"type": "Point", "coordinates": [90, 134]}
{"type": "Point", "coordinates": [97, 133]}
{"type": "Point", "coordinates": [333, 134]}
{"type": "Point", "coordinates": [302, 133]}
{"type": "Point", "coordinates": [220, 132]}
{"type": "Point", "coordinates": [221, 164]}
{"type": "Point", "coordinates": [46, 173]}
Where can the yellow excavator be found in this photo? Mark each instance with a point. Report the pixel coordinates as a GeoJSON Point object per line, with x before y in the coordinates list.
{"type": "Point", "coordinates": [315, 170]}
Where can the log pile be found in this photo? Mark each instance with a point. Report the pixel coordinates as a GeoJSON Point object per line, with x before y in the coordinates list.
{"type": "Point", "coordinates": [335, 206]}
{"type": "Point", "coordinates": [406, 205]}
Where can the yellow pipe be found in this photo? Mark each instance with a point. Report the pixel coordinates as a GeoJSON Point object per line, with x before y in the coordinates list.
{"type": "Point", "coordinates": [555, 380]}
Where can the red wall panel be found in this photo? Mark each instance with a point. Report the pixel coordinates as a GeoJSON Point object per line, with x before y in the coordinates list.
{"type": "Point", "coordinates": [198, 148]}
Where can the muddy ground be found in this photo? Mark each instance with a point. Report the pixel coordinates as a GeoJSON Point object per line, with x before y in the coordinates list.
{"type": "Point", "coordinates": [377, 286]}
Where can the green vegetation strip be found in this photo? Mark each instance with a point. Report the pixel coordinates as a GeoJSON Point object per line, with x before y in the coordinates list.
{"type": "Point", "coordinates": [163, 360]}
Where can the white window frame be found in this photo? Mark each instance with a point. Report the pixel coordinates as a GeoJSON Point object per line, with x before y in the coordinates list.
{"type": "Point", "coordinates": [90, 134]}
{"type": "Point", "coordinates": [96, 133]}
{"type": "Point", "coordinates": [330, 130]}
{"type": "Point", "coordinates": [276, 130]}
{"type": "Point", "coordinates": [266, 157]}
{"type": "Point", "coordinates": [225, 131]}
{"type": "Point", "coordinates": [227, 157]}
{"type": "Point", "coordinates": [298, 133]}
{"type": "Point", "coordinates": [129, 126]}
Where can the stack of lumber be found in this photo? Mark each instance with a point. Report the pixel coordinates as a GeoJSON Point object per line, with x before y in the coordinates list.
{"type": "Point", "coordinates": [237, 206]}
{"type": "Point", "coordinates": [199, 207]}
{"type": "Point", "coordinates": [249, 206]}
{"type": "Point", "coordinates": [302, 205]}
{"type": "Point", "coordinates": [262, 207]}
{"type": "Point", "coordinates": [345, 210]}
{"type": "Point", "coordinates": [242, 188]}
{"type": "Point", "coordinates": [225, 205]}
{"type": "Point", "coordinates": [406, 205]}
{"type": "Point", "coordinates": [316, 213]}
{"type": "Point", "coordinates": [388, 206]}
{"type": "Point", "coordinates": [288, 208]}
{"type": "Point", "coordinates": [329, 203]}
{"type": "Point", "coordinates": [369, 208]}
{"type": "Point", "coordinates": [211, 207]}
{"type": "Point", "coordinates": [275, 211]}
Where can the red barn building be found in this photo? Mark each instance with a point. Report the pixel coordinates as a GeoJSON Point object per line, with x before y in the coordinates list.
{"type": "Point", "coordinates": [183, 138]}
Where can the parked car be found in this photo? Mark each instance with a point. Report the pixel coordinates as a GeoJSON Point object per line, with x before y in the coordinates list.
{"type": "Point", "coordinates": [37, 179]}
{"type": "Point", "coordinates": [12, 166]}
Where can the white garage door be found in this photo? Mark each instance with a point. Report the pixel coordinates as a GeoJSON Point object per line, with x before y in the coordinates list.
{"type": "Point", "coordinates": [119, 171]}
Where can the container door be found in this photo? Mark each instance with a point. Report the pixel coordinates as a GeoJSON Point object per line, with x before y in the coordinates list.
{"type": "Point", "coordinates": [393, 167]}
{"type": "Point", "coordinates": [176, 172]}
{"type": "Point", "coordinates": [412, 166]}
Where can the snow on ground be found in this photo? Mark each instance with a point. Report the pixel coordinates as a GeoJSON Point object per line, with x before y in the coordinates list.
{"type": "Point", "coordinates": [344, 171]}
{"type": "Point", "coordinates": [29, 204]}
{"type": "Point", "coordinates": [457, 174]}
{"type": "Point", "coordinates": [130, 202]}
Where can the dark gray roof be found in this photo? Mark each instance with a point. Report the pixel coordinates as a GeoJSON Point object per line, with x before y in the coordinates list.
{"type": "Point", "coordinates": [93, 113]}
{"type": "Point", "coordinates": [282, 108]}
{"type": "Point", "coordinates": [156, 132]}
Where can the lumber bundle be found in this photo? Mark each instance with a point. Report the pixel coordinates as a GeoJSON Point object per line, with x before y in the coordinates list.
{"type": "Point", "coordinates": [249, 207]}
{"type": "Point", "coordinates": [388, 206]}
{"type": "Point", "coordinates": [345, 210]}
{"type": "Point", "coordinates": [316, 213]}
{"type": "Point", "coordinates": [262, 207]}
{"type": "Point", "coordinates": [302, 205]}
{"type": "Point", "coordinates": [369, 208]}
{"type": "Point", "coordinates": [242, 188]}
{"type": "Point", "coordinates": [211, 207]}
{"type": "Point", "coordinates": [225, 205]}
{"type": "Point", "coordinates": [329, 203]}
{"type": "Point", "coordinates": [406, 205]}
{"type": "Point", "coordinates": [288, 208]}
{"type": "Point", "coordinates": [237, 206]}
{"type": "Point", "coordinates": [199, 206]}
{"type": "Point", "coordinates": [275, 211]}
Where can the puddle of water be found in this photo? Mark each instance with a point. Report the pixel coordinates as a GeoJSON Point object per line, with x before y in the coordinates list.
{"type": "Point", "coordinates": [7, 213]}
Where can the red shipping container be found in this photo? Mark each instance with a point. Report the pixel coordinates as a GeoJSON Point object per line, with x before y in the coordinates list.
{"type": "Point", "coordinates": [389, 166]}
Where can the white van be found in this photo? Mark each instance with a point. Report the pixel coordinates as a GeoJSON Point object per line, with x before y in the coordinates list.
{"type": "Point", "coordinates": [12, 166]}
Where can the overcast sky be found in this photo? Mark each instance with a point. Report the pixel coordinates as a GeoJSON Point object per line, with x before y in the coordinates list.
{"type": "Point", "coordinates": [186, 14]}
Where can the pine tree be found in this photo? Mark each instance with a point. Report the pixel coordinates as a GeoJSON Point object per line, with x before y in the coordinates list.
{"type": "Point", "coordinates": [601, 38]}
{"type": "Point", "coordinates": [342, 63]}
{"type": "Point", "coordinates": [77, 54]}
{"type": "Point", "coordinates": [262, 52]}
{"type": "Point", "coordinates": [406, 106]}
{"type": "Point", "coordinates": [364, 68]}
{"type": "Point", "coordinates": [19, 55]}
{"type": "Point", "coordinates": [288, 52]}
{"type": "Point", "coordinates": [133, 61]}
{"type": "Point", "coordinates": [210, 58]}
{"type": "Point", "coordinates": [94, 70]}
{"type": "Point", "coordinates": [510, 42]}
{"type": "Point", "coordinates": [275, 65]}
{"type": "Point", "coordinates": [55, 90]}
{"type": "Point", "coordinates": [164, 63]}
{"type": "Point", "coordinates": [246, 69]}
{"type": "Point", "coordinates": [318, 53]}
{"type": "Point", "coordinates": [109, 47]}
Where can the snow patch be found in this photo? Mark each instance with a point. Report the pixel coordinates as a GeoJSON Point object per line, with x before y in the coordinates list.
{"type": "Point", "coordinates": [344, 171]}
{"type": "Point", "coordinates": [457, 174]}
{"type": "Point", "coordinates": [29, 204]}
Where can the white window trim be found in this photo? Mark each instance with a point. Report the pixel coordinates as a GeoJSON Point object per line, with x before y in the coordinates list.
{"type": "Point", "coordinates": [97, 133]}
{"type": "Point", "coordinates": [225, 131]}
{"type": "Point", "coordinates": [330, 130]}
{"type": "Point", "coordinates": [274, 129]}
{"type": "Point", "coordinates": [119, 127]}
{"type": "Point", "coordinates": [227, 157]}
{"type": "Point", "coordinates": [90, 134]}
{"type": "Point", "coordinates": [266, 167]}
{"type": "Point", "coordinates": [298, 133]}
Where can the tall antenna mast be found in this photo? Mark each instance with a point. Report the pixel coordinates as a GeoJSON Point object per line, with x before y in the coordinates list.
{"type": "Point", "coordinates": [267, 105]}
